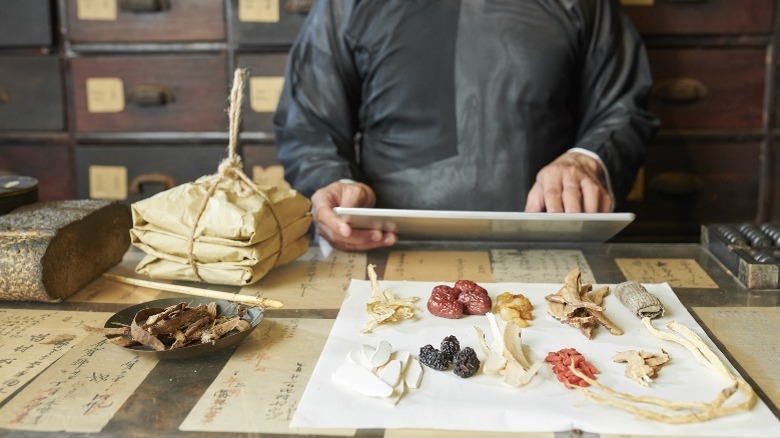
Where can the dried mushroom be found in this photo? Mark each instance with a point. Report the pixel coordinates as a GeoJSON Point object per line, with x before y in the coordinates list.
{"type": "Point", "coordinates": [576, 305]}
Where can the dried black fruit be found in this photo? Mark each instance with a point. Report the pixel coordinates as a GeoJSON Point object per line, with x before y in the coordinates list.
{"type": "Point", "coordinates": [466, 362]}
{"type": "Point", "coordinates": [433, 358]}
{"type": "Point", "coordinates": [450, 347]}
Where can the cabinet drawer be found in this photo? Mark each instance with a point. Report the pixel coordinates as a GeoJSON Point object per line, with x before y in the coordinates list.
{"type": "Point", "coordinates": [31, 93]}
{"type": "Point", "coordinates": [49, 164]}
{"type": "Point", "coordinates": [150, 93]}
{"type": "Point", "coordinates": [261, 165]}
{"type": "Point", "coordinates": [268, 23]}
{"type": "Point", "coordinates": [708, 88]}
{"type": "Point", "coordinates": [25, 23]}
{"type": "Point", "coordinates": [93, 21]}
{"type": "Point", "coordinates": [697, 183]}
{"type": "Point", "coordinates": [702, 17]}
{"type": "Point", "coordinates": [130, 173]}
{"type": "Point", "coordinates": [266, 77]}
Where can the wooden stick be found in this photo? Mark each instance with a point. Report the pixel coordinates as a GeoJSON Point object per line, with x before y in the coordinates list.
{"type": "Point", "coordinates": [206, 293]}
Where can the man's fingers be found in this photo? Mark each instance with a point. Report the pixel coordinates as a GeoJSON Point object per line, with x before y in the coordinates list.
{"type": "Point", "coordinates": [534, 203]}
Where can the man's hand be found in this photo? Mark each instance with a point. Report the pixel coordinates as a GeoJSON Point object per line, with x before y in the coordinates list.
{"type": "Point", "coordinates": [337, 232]}
{"type": "Point", "coordinates": [572, 184]}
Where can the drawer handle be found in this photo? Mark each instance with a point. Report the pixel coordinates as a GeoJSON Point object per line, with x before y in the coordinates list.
{"type": "Point", "coordinates": [686, 1]}
{"type": "Point", "coordinates": [680, 90]}
{"type": "Point", "coordinates": [4, 96]}
{"type": "Point", "coordinates": [144, 6]}
{"type": "Point", "coordinates": [150, 95]}
{"type": "Point", "coordinates": [676, 183]}
{"type": "Point", "coordinates": [136, 186]}
{"type": "Point", "coordinates": [298, 6]}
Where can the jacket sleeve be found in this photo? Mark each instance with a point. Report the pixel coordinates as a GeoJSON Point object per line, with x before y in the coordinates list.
{"type": "Point", "coordinates": [615, 82]}
{"type": "Point", "coordinates": [316, 118]}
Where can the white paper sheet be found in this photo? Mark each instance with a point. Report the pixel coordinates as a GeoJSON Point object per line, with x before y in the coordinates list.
{"type": "Point", "coordinates": [483, 403]}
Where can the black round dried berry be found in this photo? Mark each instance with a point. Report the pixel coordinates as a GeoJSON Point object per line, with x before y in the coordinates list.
{"type": "Point", "coordinates": [450, 347]}
{"type": "Point", "coordinates": [433, 358]}
{"type": "Point", "coordinates": [466, 362]}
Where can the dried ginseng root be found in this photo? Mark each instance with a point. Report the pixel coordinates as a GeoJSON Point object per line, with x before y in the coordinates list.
{"type": "Point", "coordinates": [516, 308]}
{"type": "Point", "coordinates": [575, 306]}
{"type": "Point", "coordinates": [384, 307]}
{"type": "Point", "coordinates": [563, 360]}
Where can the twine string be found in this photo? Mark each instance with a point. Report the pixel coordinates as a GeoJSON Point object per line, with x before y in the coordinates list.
{"type": "Point", "coordinates": [230, 172]}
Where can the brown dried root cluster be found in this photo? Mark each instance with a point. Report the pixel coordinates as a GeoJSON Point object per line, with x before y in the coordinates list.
{"type": "Point", "coordinates": [642, 366]}
{"type": "Point", "coordinates": [576, 305]}
{"type": "Point", "coordinates": [176, 326]}
{"type": "Point", "coordinates": [384, 307]}
{"type": "Point", "coordinates": [657, 409]}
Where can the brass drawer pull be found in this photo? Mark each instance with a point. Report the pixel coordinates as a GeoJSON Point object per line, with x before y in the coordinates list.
{"type": "Point", "coordinates": [136, 186]}
{"type": "Point", "coordinates": [680, 90]}
{"type": "Point", "coordinates": [4, 96]}
{"type": "Point", "coordinates": [150, 95]}
{"type": "Point", "coordinates": [676, 183]}
{"type": "Point", "coordinates": [144, 6]}
{"type": "Point", "coordinates": [298, 6]}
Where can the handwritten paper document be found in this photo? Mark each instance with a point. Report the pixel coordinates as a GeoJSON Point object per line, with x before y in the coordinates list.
{"type": "Point", "coordinates": [31, 340]}
{"type": "Point", "coordinates": [752, 335]}
{"type": "Point", "coordinates": [439, 266]}
{"type": "Point", "coordinates": [80, 392]}
{"type": "Point", "coordinates": [313, 281]}
{"type": "Point", "coordinates": [677, 272]}
{"type": "Point", "coordinates": [538, 265]}
{"type": "Point", "coordinates": [266, 377]}
{"type": "Point", "coordinates": [420, 433]}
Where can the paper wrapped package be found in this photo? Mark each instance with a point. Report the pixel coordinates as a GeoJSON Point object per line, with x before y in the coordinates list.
{"type": "Point", "coordinates": [222, 228]}
{"type": "Point", "coordinates": [236, 239]}
{"type": "Point", "coordinates": [50, 250]}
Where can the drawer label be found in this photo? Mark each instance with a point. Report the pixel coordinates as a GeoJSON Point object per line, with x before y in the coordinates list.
{"type": "Point", "coordinates": [637, 2]}
{"type": "Point", "coordinates": [108, 182]}
{"type": "Point", "coordinates": [105, 95]}
{"type": "Point", "coordinates": [258, 11]}
{"type": "Point", "coordinates": [96, 10]}
{"type": "Point", "coordinates": [264, 93]}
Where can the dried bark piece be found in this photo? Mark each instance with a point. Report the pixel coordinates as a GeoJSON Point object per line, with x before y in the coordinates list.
{"type": "Point", "coordinates": [141, 335]}
{"type": "Point", "coordinates": [572, 305]}
{"type": "Point", "coordinates": [638, 300]}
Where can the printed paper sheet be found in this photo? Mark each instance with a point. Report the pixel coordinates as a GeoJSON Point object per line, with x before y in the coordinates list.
{"type": "Point", "coordinates": [677, 272]}
{"type": "Point", "coordinates": [438, 266]}
{"type": "Point", "coordinates": [538, 265]}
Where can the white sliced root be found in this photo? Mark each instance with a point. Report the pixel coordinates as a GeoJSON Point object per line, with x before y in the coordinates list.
{"type": "Point", "coordinates": [505, 354]}
{"type": "Point", "coordinates": [381, 354]}
{"type": "Point", "coordinates": [413, 373]}
{"type": "Point", "coordinates": [361, 380]}
{"type": "Point", "coordinates": [390, 372]}
{"type": "Point", "coordinates": [379, 372]}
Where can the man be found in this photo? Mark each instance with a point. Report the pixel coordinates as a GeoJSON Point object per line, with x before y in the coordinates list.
{"type": "Point", "coordinates": [489, 105]}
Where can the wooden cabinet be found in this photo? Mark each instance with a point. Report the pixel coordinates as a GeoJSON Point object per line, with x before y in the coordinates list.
{"type": "Point", "coordinates": [91, 87]}
{"type": "Point", "coordinates": [151, 21]}
{"type": "Point", "coordinates": [714, 74]}
{"type": "Point", "coordinates": [158, 93]}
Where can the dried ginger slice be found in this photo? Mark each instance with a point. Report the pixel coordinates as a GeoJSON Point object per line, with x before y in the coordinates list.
{"type": "Point", "coordinates": [384, 307]}
{"type": "Point", "coordinates": [670, 412]}
{"type": "Point", "coordinates": [642, 366]}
